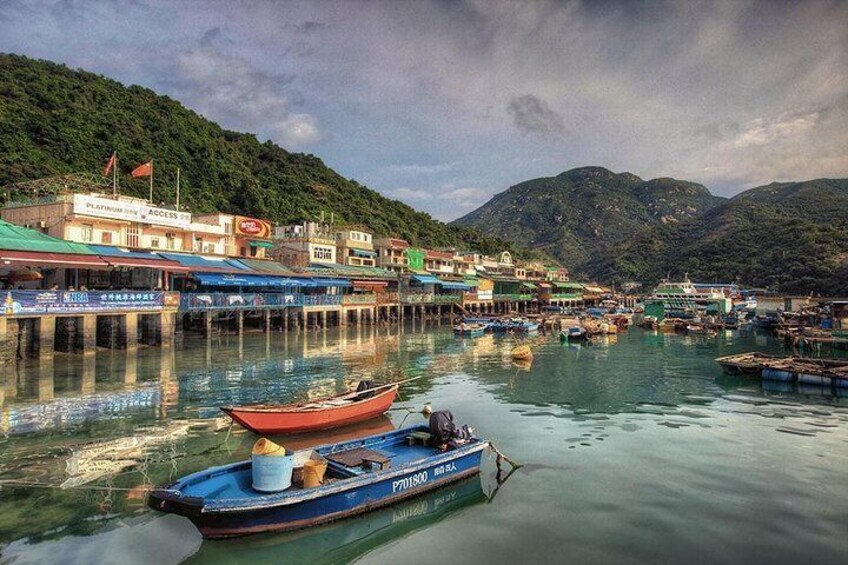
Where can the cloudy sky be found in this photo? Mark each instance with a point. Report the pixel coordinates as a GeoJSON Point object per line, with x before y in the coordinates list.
{"type": "Point", "coordinates": [442, 104]}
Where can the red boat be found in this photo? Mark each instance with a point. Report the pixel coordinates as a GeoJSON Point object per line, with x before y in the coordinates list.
{"type": "Point", "coordinates": [323, 414]}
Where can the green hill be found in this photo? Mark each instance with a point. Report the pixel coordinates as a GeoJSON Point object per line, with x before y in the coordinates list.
{"type": "Point", "coordinates": [788, 237]}
{"type": "Point", "coordinates": [55, 120]}
{"type": "Point", "coordinates": [582, 213]}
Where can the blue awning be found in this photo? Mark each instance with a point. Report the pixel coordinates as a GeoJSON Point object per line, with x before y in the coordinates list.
{"type": "Point", "coordinates": [331, 282]}
{"type": "Point", "coordinates": [364, 253]}
{"type": "Point", "coordinates": [455, 285]}
{"type": "Point", "coordinates": [426, 279]}
{"type": "Point", "coordinates": [196, 262]}
{"type": "Point", "coordinates": [219, 279]}
{"type": "Point", "coordinates": [283, 281]}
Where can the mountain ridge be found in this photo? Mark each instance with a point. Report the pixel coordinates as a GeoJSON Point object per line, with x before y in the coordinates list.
{"type": "Point", "coordinates": [787, 236]}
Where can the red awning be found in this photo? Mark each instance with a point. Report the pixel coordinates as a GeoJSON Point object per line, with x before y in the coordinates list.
{"type": "Point", "coordinates": [152, 263]}
{"type": "Point", "coordinates": [54, 259]}
{"type": "Point", "coordinates": [544, 285]}
{"type": "Point", "coordinates": [370, 284]}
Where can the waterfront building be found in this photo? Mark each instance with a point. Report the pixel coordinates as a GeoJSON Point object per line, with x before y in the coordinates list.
{"type": "Point", "coordinates": [391, 254]}
{"type": "Point", "coordinates": [302, 245]}
{"type": "Point", "coordinates": [438, 262]}
{"type": "Point", "coordinates": [355, 248]}
{"type": "Point", "coordinates": [415, 259]}
{"type": "Point", "coordinates": [555, 274]}
{"type": "Point", "coordinates": [125, 221]}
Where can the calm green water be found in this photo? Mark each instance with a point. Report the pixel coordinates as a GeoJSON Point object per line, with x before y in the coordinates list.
{"type": "Point", "coordinates": [636, 451]}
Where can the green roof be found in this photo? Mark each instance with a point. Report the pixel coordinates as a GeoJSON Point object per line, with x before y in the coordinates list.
{"type": "Point", "coordinates": [573, 285]}
{"type": "Point", "coordinates": [16, 238]}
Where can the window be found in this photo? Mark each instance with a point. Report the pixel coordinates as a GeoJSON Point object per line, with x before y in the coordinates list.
{"type": "Point", "coordinates": [169, 240]}
{"type": "Point", "coordinates": [154, 242]}
{"type": "Point", "coordinates": [133, 233]}
{"type": "Point", "coordinates": [106, 237]}
{"type": "Point", "coordinates": [87, 232]}
{"type": "Point", "coordinates": [322, 253]}
{"type": "Point", "coordinates": [198, 244]}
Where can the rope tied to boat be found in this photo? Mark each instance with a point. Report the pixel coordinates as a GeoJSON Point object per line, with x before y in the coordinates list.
{"type": "Point", "coordinates": [500, 456]}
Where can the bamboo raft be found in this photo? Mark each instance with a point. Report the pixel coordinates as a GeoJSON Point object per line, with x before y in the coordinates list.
{"type": "Point", "coordinates": [806, 370]}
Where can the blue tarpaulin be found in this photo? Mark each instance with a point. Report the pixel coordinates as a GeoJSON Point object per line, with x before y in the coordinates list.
{"type": "Point", "coordinates": [455, 285]}
{"type": "Point", "coordinates": [330, 282]}
{"type": "Point", "coordinates": [426, 279]}
{"type": "Point", "coordinates": [219, 279]}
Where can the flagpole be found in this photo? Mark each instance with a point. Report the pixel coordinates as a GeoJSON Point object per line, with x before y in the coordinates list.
{"type": "Point", "coordinates": [178, 188]}
{"type": "Point", "coordinates": [151, 183]}
{"type": "Point", "coordinates": [115, 175]}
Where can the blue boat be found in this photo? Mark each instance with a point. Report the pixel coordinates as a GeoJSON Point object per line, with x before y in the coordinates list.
{"type": "Point", "coordinates": [573, 333]}
{"type": "Point", "coordinates": [515, 326]}
{"type": "Point", "coordinates": [470, 330]}
{"type": "Point", "coordinates": [221, 502]}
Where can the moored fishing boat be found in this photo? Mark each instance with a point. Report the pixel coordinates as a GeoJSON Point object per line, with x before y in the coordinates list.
{"type": "Point", "coordinates": [221, 502]}
{"type": "Point", "coordinates": [327, 413]}
{"type": "Point", "coordinates": [469, 330]}
{"type": "Point", "coordinates": [574, 333]}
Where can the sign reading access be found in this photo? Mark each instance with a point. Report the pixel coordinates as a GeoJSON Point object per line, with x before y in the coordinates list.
{"type": "Point", "coordinates": [129, 211]}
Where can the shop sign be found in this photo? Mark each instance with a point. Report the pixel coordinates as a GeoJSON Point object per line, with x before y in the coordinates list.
{"type": "Point", "coordinates": [251, 227]}
{"type": "Point", "coordinates": [129, 211]}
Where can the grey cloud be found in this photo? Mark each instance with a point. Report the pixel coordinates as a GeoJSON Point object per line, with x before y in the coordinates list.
{"type": "Point", "coordinates": [530, 114]}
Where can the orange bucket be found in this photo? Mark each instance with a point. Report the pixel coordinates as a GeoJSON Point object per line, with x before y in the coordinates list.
{"type": "Point", "coordinates": [313, 473]}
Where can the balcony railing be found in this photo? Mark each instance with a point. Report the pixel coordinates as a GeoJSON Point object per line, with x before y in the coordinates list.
{"type": "Point", "coordinates": [417, 298]}
{"type": "Point", "coordinates": [447, 298]}
{"type": "Point", "coordinates": [387, 298]}
{"type": "Point", "coordinates": [512, 297]}
{"type": "Point", "coordinates": [195, 301]}
{"type": "Point", "coordinates": [366, 298]}
{"type": "Point", "coordinates": [567, 296]}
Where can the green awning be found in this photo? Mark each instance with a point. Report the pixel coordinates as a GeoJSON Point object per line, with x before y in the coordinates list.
{"type": "Point", "coordinates": [528, 285]}
{"type": "Point", "coordinates": [17, 238]}
{"type": "Point", "coordinates": [265, 244]}
{"type": "Point", "coordinates": [570, 285]}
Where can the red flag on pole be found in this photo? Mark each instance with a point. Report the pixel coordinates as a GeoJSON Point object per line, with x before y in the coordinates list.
{"type": "Point", "coordinates": [110, 164]}
{"type": "Point", "coordinates": [144, 170]}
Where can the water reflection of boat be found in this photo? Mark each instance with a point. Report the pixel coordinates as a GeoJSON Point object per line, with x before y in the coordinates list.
{"type": "Point", "coordinates": [345, 541]}
{"type": "Point", "coordinates": [380, 425]}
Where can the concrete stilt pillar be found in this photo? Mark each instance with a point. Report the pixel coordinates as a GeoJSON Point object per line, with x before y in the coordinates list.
{"type": "Point", "coordinates": [239, 322]}
{"type": "Point", "coordinates": [286, 319]}
{"type": "Point", "coordinates": [359, 316]}
{"type": "Point", "coordinates": [266, 317]}
{"type": "Point", "coordinates": [166, 328]}
{"type": "Point", "coordinates": [46, 329]}
{"type": "Point", "coordinates": [131, 331]}
{"type": "Point", "coordinates": [324, 319]}
{"type": "Point", "coordinates": [89, 334]}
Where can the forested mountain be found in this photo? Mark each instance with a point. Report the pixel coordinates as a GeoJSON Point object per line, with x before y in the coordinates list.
{"type": "Point", "coordinates": [789, 237]}
{"type": "Point", "coordinates": [55, 120]}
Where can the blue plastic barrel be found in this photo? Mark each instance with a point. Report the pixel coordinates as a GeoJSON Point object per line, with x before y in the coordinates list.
{"type": "Point", "coordinates": [272, 473]}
